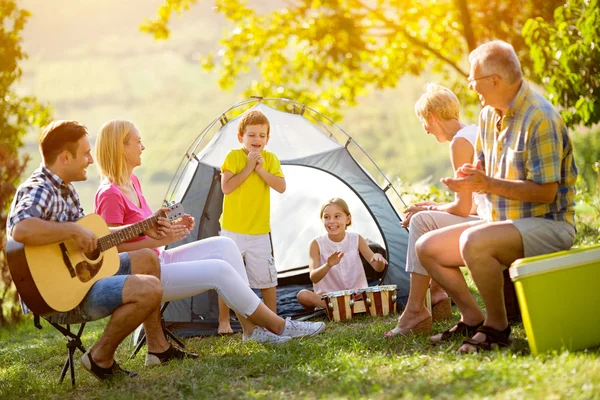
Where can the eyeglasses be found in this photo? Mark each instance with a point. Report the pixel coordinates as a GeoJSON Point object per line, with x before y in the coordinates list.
{"type": "Point", "coordinates": [476, 79]}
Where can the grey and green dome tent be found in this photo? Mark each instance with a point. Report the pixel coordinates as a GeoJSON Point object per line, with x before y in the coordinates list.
{"type": "Point", "coordinates": [319, 161]}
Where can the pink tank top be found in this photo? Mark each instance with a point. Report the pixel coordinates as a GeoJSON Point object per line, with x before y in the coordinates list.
{"type": "Point", "coordinates": [349, 274]}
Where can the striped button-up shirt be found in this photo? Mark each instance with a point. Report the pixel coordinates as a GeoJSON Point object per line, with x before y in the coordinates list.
{"type": "Point", "coordinates": [530, 143]}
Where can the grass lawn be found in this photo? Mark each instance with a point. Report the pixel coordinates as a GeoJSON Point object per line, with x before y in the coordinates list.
{"type": "Point", "coordinates": [349, 360]}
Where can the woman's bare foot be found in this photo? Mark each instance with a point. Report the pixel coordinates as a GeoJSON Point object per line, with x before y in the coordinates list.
{"type": "Point", "coordinates": [437, 293]}
{"type": "Point", "coordinates": [412, 323]}
{"type": "Point", "coordinates": [224, 328]}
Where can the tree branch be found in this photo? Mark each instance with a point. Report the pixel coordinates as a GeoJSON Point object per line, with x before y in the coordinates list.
{"type": "Point", "coordinates": [414, 40]}
{"type": "Point", "coordinates": [466, 24]}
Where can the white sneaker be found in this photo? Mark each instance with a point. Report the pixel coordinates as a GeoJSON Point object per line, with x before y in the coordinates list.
{"type": "Point", "coordinates": [262, 335]}
{"type": "Point", "coordinates": [296, 329]}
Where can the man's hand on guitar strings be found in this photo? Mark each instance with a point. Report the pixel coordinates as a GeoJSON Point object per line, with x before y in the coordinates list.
{"type": "Point", "coordinates": [85, 238]}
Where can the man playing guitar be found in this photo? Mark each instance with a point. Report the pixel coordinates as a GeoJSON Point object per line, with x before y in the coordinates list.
{"type": "Point", "coordinates": [43, 212]}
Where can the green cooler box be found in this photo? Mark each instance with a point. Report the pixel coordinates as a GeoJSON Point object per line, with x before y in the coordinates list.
{"type": "Point", "coordinates": [559, 296]}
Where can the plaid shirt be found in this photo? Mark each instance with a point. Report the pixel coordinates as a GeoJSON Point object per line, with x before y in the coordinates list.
{"type": "Point", "coordinates": [44, 195]}
{"type": "Point", "coordinates": [530, 143]}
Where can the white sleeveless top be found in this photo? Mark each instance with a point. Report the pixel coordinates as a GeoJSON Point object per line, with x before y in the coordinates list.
{"type": "Point", "coordinates": [470, 133]}
{"type": "Point", "coordinates": [349, 274]}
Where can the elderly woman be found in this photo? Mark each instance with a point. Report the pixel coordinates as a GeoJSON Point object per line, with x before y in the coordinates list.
{"type": "Point", "coordinates": [190, 269]}
{"type": "Point", "coordinates": [438, 109]}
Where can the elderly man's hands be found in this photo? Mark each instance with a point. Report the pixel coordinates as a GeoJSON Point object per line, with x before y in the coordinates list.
{"type": "Point", "coordinates": [469, 178]}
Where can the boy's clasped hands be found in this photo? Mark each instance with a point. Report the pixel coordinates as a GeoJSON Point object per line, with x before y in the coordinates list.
{"type": "Point", "coordinates": [254, 158]}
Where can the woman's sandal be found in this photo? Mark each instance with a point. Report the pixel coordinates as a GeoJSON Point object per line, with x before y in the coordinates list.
{"type": "Point", "coordinates": [442, 310]}
{"type": "Point", "coordinates": [462, 329]}
{"type": "Point", "coordinates": [493, 339]}
{"type": "Point", "coordinates": [424, 326]}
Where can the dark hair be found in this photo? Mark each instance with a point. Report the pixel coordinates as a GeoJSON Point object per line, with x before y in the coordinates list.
{"type": "Point", "coordinates": [254, 117]}
{"type": "Point", "coordinates": [59, 136]}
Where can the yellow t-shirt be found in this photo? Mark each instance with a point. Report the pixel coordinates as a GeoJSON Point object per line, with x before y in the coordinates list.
{"type": "Point", "coordinates": [247, 209]}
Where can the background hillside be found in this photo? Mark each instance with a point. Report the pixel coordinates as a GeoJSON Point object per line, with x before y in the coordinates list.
{"type": "Point", "coordinates": [90, 62]}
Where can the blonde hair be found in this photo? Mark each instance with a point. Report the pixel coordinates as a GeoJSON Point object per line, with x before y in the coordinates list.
{"type": "Point", "coordinates": [498, 58]}
{"type": "Point", "coordinates": [110, 151]}
{"type": "Point", "coordinates": [437, 100]}
{"type": "Point", "coordinates": [341, 204]}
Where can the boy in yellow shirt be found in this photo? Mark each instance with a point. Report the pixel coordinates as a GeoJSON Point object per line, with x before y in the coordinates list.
{"type": "Point", "coordinates": [247, 174]}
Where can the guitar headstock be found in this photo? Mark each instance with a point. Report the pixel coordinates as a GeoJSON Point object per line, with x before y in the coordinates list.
{"type": "Point", "coordinates": [174, 212]}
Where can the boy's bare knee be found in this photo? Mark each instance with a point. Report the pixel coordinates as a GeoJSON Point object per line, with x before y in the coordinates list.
{"type": "Point", "coordinates": [145, 261]}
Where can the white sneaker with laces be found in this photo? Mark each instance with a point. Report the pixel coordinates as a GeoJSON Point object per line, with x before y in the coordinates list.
{"type": "Point", "coordinates": [262, 335]}
{"type": "Point", "coordinates": [297, 329]}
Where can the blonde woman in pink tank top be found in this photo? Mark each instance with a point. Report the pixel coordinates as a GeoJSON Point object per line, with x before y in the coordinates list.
{"type": "Point", "coordinates": [334, 261]}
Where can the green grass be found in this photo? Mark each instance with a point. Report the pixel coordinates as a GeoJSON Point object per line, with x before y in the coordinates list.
{"type": "Point", "coordinates": [349, 360]}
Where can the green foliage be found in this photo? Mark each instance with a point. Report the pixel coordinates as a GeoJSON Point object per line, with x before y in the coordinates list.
{"type": "Point", "coordinates": [566, 57]}
{"type": "Point", "coordinates": [327, 53]}
{"type": "Point", "coordinates": [588, 210]}
{"type": "Point", "coordinates": [17, 114]}
{"type": "Point", "coordinates": [586, 147]}
{"type": "Point", "coordinates": [588, 226]}
{"type": "Point", "coordinates": [423, 191]}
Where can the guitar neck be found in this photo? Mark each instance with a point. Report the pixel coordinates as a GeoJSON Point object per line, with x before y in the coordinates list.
{"type": "Point", "coordinates": [127, 233]}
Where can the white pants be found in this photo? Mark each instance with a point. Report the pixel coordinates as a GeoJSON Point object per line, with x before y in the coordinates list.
{"type": "Point", "coordinates": [213, 263]}
{"type": "Point", "coordinates": [427, 221]}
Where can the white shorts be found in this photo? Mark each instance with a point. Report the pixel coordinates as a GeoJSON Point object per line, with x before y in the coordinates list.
{"type": "Point", "coordinates": [258, 258]}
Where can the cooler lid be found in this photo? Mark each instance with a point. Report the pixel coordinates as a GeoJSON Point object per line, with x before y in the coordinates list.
{"type": "Point", "coordinates": [553, 261]}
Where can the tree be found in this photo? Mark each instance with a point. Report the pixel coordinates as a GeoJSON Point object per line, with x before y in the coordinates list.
{"type": "Point", "coordinates": [328, 52]}
{"type": "Point", "coordinates": [566, 57]}
{"type": "Point", "coordinates": [17, 115]}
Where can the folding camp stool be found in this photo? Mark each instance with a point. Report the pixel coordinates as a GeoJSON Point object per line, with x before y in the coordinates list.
{"type": "Point", "coordinates": [168, 333]}
{"type": "Point", "coordinates": [73, 343]}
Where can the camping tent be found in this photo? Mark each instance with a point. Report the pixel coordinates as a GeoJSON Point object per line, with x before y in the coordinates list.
{"type": "Point", "coordinates": [319, 161]}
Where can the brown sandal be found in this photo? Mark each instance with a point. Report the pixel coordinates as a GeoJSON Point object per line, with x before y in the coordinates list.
{"type": "Point", "coordinates": [493, 339]}
{"type": "Point", "coordinates": [462, 329]}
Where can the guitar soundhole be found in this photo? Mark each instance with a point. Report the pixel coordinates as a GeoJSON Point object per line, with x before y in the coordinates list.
{"type": "Point", "coordinates": [86, 271]}
{"type": "Point", "coordinates": [93, 255]}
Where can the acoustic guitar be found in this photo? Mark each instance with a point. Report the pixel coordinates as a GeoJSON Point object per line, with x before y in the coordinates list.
{"type": "Point", "coordinates": [56, 277]}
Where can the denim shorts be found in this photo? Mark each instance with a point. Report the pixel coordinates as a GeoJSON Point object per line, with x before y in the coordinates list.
{"type": "Point", "coordinates": [102, 300]}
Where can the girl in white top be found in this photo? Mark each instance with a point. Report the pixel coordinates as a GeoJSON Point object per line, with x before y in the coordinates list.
{"type": "Point", "coordinates": [335, 262]}
{"type": "Point", "coordinates": [438, 109]}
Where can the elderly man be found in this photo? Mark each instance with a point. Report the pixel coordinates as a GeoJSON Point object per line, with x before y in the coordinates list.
{"type": "Point", "coordinates": [526, 169]}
